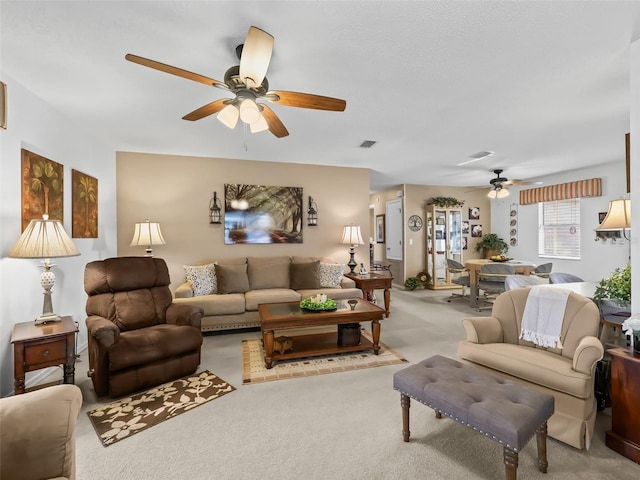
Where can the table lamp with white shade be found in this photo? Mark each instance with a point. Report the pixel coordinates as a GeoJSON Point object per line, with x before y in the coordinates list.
{"type": "Point", "coordinates": [46, 239]}
{"type": "Point", "coordinates": [618, 217]}
{"type": "Point", "coordinates": [147, 234]}
{"type": "Point", "coordinates": [351, 236]}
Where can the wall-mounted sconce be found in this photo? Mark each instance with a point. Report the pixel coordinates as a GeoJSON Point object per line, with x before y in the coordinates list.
{"type": "Point", "coordinates": [312, 213]}
{"type": "Point", "coordinates": [214, 209]}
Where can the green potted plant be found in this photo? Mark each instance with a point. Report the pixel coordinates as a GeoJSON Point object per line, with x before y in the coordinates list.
{"type": "Point", "coordinates": [445, 202]}
{"type": "Point", "coordinates": [411, 283]}
{"type": "Point", "coordinates": [492, 245]}
{"type": "Point", "coordinates": [615, 290]}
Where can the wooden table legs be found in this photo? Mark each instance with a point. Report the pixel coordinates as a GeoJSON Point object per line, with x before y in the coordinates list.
{"type": "Point", "coordinates": [510, 456]}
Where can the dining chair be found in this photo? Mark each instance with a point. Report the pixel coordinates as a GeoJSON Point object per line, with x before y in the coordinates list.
{"type": "Point", "coordinates": [491, 280]}
{"type": "Point", "coordinates": [558, 277]}
{"type": "Point", "coordinates": [520, 281]}
{"type": "Point", "coordinates": [543, 270]}
{"type": "Point", "coordinates": [457, 271]}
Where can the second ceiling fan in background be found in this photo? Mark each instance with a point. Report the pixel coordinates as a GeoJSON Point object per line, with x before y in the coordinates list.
{"type": "Point", "coordinates": [499, 185]}
{"type": "Point", "coordinates": [248, 82]}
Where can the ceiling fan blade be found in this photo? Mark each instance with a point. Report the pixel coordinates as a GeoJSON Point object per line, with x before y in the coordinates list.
{"type": "Point", "coordinates": [306, 100]}
{"type": "Point", "coordinates": [275, 125]}
{"type": "Point", "coordinates": [255, 58]}
{"type": "Point", "coordinates": [521, 182]}
{"type": "Point", "coordinates": [206, 110]}
{"type": "Point", "coordinates": [173, 70]}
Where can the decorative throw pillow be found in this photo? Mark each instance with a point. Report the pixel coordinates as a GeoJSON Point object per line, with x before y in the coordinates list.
{"type": "Point", "coordinates": [232, 278]}
{"type": "Point", "coordinates": [331, 274]}
{"type": "Point", "coordinates": [304, 276]}
{"type": "Point", "coordinates": [268, 272]}
{"type": "Point", "coordinates": [202, 278]}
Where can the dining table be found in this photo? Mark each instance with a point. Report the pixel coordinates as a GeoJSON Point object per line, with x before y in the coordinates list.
{"type": "Point", "coordinates": [522, 267]}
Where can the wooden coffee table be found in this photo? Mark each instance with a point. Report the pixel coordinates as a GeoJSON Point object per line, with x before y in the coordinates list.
{"type": "Point", "coordinates": [288, 315]}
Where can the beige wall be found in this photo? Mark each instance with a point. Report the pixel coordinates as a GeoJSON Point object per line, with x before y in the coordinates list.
{"type": "Point", "coordinates": [415, 199]}
{"type": "Point", "coordinates": [175, 191]}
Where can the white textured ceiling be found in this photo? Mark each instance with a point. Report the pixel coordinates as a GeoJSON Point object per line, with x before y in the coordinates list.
{"type": "Point", "coordinates": [543, 84]}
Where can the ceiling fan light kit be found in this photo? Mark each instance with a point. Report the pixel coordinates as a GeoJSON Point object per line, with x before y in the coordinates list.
{"type": "Point", "coordinates": [249, 112]}
{"type": "Point", "coordinates": [229, 116]}
{"type": "Point", "coordinates": [248, 82]}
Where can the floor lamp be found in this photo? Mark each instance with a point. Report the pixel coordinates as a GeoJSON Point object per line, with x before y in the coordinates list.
{"type": "Point", "coordinates": [351, 236]}
{"type": "Point", "coordinates": [46, 239]}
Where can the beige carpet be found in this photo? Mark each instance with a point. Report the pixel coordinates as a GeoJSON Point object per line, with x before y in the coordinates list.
{"type": "Point", "coordinates": [254, 370]}
{"type": "Point", "coordinates": [346, 426]}
{"type": "Point", "coordinates": [131, 415]}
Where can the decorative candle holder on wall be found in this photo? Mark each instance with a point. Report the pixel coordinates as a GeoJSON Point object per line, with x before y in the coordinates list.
{"type": "Point", "coordinates": [312, 213]}
{"type": "Point", "coordinates": [215, 210]}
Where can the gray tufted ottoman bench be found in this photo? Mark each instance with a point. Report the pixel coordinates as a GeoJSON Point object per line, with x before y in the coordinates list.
{"type": "Point", "coordinates": [501, 409]}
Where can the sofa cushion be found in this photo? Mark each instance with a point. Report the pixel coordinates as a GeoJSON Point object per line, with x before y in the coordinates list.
{"type": "Point", "coordinates": [535, 365]}
{"type": "Point", "coordinates": [202, 278]}
{"type": "Point", "coordinates": [254, 298]}
{"type": "Point", "coordinates": [305, 275]}
{"type": "Point", "coordinates": [268, 272]}
{"type": "Point", "coordinates": [213, 305]}
{"type": "Point", "coordinates": [232, 278]}
{"type": "Point", "coordinates": [331, 274]}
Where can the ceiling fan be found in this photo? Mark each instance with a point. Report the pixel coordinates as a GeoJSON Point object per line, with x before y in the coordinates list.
{"type": "Point", "coordinates": [248, 83]}
{"type": "Point", "coordinates": [499, 185]}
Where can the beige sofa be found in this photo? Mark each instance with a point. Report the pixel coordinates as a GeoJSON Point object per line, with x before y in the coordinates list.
{"type": "Point", "coordinates": [493, 343]}
{"type": "Point", "coordinates": [230, 290]}
{"type": "Point", "coordinates": [37, 434]}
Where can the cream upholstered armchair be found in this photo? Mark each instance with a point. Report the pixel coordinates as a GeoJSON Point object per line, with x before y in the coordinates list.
{"type": "Point", "coordinates": [36, 434]}
{"type": "Point", "coordinates": [493, 343]}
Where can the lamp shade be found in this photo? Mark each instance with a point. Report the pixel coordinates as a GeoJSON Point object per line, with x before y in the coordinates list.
{"type": "Point", "coordinates": [351, 235]}
{"type": "Point", "coordinates": [249, 112]}
{"type": "Point", "coordinates": [259, 125]}
{"type": "Point", "coordinates": [501, 192]}
{"type": "Point", "coordinates": [44, 238]}
{"type": "Point", "coordinates": [618, 217]}
{"type": "Point", "coordinates": [229, 116]}
{"type": "Point", "coordinates": [147, 234]}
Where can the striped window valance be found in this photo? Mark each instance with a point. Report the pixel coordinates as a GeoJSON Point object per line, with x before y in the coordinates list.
{"type": "Point", "coordinates": [562, 191]}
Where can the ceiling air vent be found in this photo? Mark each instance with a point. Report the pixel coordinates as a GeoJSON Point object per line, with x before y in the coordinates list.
{"type": "Point", "coordinates": [368, 144]}
{"type": "Point", "coordinates": [476, 156]}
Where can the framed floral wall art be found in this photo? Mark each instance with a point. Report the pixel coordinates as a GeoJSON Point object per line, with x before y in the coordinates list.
{"type": "Point", "coordinates": [84, 205]}
{"type": "Point", "coordinates": [42, 188]}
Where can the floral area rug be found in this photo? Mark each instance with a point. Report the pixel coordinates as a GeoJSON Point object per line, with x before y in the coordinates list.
{"type": "Point", "coordinates": [255, 371]}
{"type": "Point", "coordinates": [131, 415]}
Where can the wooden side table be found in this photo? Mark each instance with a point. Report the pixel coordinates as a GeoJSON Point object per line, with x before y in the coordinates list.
{"type": "Point", "coordinates": [41, 346]}
{"type": "Point", "coordinates": [624, 436]}
{"type": "Point", "coordinates": [368, 283]}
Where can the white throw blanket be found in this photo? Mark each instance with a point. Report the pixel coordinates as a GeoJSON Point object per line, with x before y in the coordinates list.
{"type": "Point", "coordinates": [543, 316]}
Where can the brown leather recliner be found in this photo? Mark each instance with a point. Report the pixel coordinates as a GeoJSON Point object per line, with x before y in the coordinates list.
{"type": "Point", "coordinates": [138, 338]}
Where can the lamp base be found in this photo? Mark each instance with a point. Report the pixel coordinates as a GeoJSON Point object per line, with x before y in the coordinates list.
{"type": "Point", "coordinates": [50, 317]}
{"type": "Point", "coordinates": [352, 260]}
{"type": "Point", "coordinates": [47, 280]}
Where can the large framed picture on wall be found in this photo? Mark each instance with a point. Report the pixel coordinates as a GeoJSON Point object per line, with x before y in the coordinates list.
{"type": "Point", "coordinates": [262, 214]}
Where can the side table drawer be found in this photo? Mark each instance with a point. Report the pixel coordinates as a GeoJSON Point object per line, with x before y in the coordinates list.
{"type": "Point", "coordinates": [375, 284]}
{"type": "Point", "coordinates": [49, 352]}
